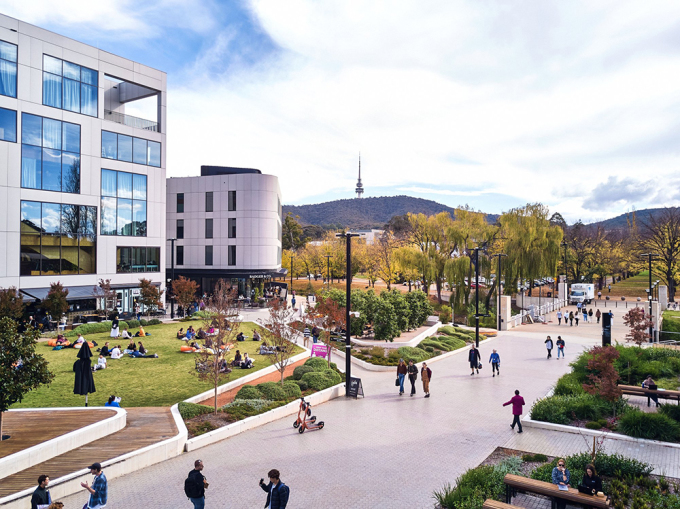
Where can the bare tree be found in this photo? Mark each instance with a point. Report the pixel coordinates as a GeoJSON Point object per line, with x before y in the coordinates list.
{"type": "Point", "coordinates": [280, 335]}
{"type": "Point", "coordinates": [213, 359]}
{"type": "Point", "coordinates": [660, 234]}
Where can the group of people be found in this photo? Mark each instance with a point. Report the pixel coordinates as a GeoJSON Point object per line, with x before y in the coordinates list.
{"type": "Point", "coordinates": [575, 317]}
{"type": "Point", "coordinates": [314, 333]}
{"type": "Point", "coordinates": [550, 345]}
{"type": "Point", "coordinates": [591, 482]}
{"type": "Point", "coordinates": [412, 372]}
{"type": "Point", "coordinates": [133, 349]}
{"type": "Point", "coordinates": [98, 491]}
{"type": "Point", "coordinates": [243, 362]}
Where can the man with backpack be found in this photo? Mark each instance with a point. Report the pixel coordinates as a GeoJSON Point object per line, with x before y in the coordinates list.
{"type": "Point", "coordinates": [195, 486]}
{"type": "Point", "coordinates": [277, 492]}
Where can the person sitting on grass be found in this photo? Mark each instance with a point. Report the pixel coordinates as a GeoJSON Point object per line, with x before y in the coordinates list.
{"type": "Point", "coordinates": [101, 363]}
{"type": "Point", "coordinates": [266, 349]}
{"type": "Point", "coordinates": [79, 342]}
{"type": "Point", "coordinates": [112, 402]}
{"type": "Point", "coordinates": [247, 362]}
{"type": "Point", "coordinates": [141, 332]}
{"type": "Point", "coordinates": [240, 337]}
{"type": "Point", "coordinates": [116, 352]}
{"type": "Point", "coordinates": [61, 340]}
{"type": "Point", "coordinates": [256, 336]}
{"type": "Point", "coordinates": [126, 334]}
{"type": "Point", "coordinates": [201, 333]}
{"type": "Point", "coordinates": [105, 350]}
{"type": "Point", "coordinates": [143, 354]}
{"type": "Point", "coordinates": [224, 367]}
{"type": "Point", "coordinates": [180, 333]}
{"type": "Point", "coordinates": [190, 333]}
{"type": "Point", "coordinates": [237, 359]}
{"type": "Point", "coordinates": [195, 345]}
{"type": "Point", "coordinates": [132, 347]}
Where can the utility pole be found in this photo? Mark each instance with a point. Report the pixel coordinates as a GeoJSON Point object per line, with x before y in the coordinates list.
{"type": "Point", "coordinates": [328, 271]}
{"type": "Point", "coordinates": [650, 295]}
{"type": "Point", "coordinates": [348, 292]}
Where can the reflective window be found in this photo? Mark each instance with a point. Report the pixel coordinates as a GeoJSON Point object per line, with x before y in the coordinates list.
{"type": "Point", "coordinates": [8, 125]}
{"type": "Point", "coordinates": [57, 239]}
{"type": "Point", "coordinates": [138, 259]}
{"type": "Point", "coordinates": [123, 204]}
{"type": "Point", "coordinates": [50, 154]}
{"type": "Point", "coordinates": [180, 229]}
{"type": "Point", "coordinates": [208, 228]}
{"type": "Point", "coordinates": [232, 201]}
{"type": "Point", "coordinates": [209, 201]}
{"type": "Point", "coordinates": [180, 203]}
{"type": "Point", "coordinates": [208, 255]}
{"type": "Point", "coordinates": [232, 228]}
{"type": "Point", "coordinates": [130, 149]}
{"type": "Point", "coordinates": [8, 69]}
{"type": "Point", "coordinates": [179, 259]}
{"type": "Point", "coordinates": [69, 86]}
{"type": "Point", "coordinates": [232, 255]}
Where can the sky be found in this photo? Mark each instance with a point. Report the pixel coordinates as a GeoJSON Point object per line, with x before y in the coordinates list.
{"type": "Point", "coordinates": [491, 104]}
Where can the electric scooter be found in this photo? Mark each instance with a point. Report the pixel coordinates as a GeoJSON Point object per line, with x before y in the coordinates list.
{"type": "Point", "coordinates": [309, 424]}
{"type": "Point", "coordinates": [304, 410]}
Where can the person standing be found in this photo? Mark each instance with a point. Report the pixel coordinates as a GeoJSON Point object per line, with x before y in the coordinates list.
{"type": "Point", "coordinates": [426, 376]}
{"type": "Point", "coordinates": [578, 307]}
{"type": "Point", "coordinates": [292, 301]}
{"type": "Point", "coordinates": [495, 361]}
{"type": "Point", "coordinates": [475, 359]}
{"type": "Point", "coordinates": [585, 314]}
{"type": "Point", "coordinates": [315, 334]}
{"type": "Point", "coordinates": [412, 376]}
{"type": "Point", "coordinates": [571, 318]}
{"type": "Point", "coordinates": [99, 489]}
{"type": "Point", "coordinates": [576, 318]}
{"type": "Point", "coordinates": [401, 374]}
{"type": "Point", "coordinates": [599, 295]}
{"type": "Point", "coordinates": [610, 288]}
{"type": "Point", "coordinates": [307, 333]}
{"type": "Point", "coordinates": [590, 315]}
{"type": "Point", "coordinates": [560, 346]}
{"type": "Point", "coordinates": [277, 492]}
{"type": "Point", "coordinates": [41, 496]}
{"type": "Point", "coordinates": [517, 403]}
{"type": "Point", "coordinates": [598, 315]}
{"type": "Point", "coordinates": [549, 346]}
{"type": "Point", "coordinates": [559, 318]}
{"type": "Point", "coordinates": [115, 331]}
{"type": "Point", "coordinates": [195, 486]}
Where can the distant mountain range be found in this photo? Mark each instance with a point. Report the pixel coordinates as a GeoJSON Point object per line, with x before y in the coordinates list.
{"type": "Point", "coordinates": [366, 212]}
{"type": "Point", "coordinates": [376, 212]}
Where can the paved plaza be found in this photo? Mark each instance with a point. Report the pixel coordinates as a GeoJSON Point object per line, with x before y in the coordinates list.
{"type": "Point", "coordinates": [384, 450]}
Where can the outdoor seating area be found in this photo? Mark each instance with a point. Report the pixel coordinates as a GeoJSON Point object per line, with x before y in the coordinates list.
{"type": "Point", "coordinates": [515, 483]}
{"type": "Point", "coordinates": [633, 390]}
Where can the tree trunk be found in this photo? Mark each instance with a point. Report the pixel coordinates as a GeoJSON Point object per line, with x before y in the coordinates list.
{"type": "Point", "coordinates": [216, 398]}
{"type": "Point", "coordinates": [1, 426]}
{"type": "Point", "coordinates": [490, 294]}
{"type": "Point", "coordinates": [438, 284]}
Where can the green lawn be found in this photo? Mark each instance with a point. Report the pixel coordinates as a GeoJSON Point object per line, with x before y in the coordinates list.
{"type": "Point", "coordinates": [139, 382]}
{"type": "Point", "coordinates": [632, 287]}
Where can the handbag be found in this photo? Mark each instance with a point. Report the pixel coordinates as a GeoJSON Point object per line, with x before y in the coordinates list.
{"type": "Point", "coordinates": [396, 382]}
{"type": "Point", "coordinates": [479, 366]}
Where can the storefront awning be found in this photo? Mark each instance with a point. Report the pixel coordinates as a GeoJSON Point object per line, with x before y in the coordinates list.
{"type": "Point", "coordinates": [74, 293]}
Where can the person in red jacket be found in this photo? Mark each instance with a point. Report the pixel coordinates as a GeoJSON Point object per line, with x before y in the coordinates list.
{"type": "Point", "coordinates": [517, 404]}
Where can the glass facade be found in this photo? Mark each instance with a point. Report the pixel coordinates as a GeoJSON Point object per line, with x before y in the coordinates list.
{"type": "Point", "coordinates": [180, 203]}
{"type": "Point", "coordinates": [69, 86]}
{"type": "Point", "coordinates": [50, 154]}
{"type": "Point", "coordinates": [180, 229]}
{"type": "Point", "coordinates": [131, 150]}
{"type": "Point", "coordinates": [57, 239]}
{"type": "Point", "coordinates": [8, 125]}
{"type": "Point", "coordinates": [8, 69]}
{"type": "Point", "coordinates": [123, 204]}
{"type": "Point", "coordinates": [137, 259]}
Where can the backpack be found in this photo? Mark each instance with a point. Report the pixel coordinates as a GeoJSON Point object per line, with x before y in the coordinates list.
{"type": "Point", "coordinates": [190, 488]}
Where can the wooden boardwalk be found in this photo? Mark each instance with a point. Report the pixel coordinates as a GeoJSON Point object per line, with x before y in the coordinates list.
{"type": "Point", "coordinates": [145, 426]}
{"type": "Point", "coordinates": [29, 428]}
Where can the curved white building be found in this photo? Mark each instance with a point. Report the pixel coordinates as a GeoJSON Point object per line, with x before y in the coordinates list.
{"type": "Point", "coordinates": [227, 225]}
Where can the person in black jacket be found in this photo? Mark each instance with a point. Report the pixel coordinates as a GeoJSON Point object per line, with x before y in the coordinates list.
{"type": "Point", "coordinates": [41, 495]}
{"type": "Point", "coordinates": [591, 480]}
{"type": "Point", "coordinates": [277, 492]}
{"type": "Point", "coordinates": [412, 376]}
{"type": "Point", "coordinates": [475, 358]}
{"type": "Point", "coordinates": [195, 486]}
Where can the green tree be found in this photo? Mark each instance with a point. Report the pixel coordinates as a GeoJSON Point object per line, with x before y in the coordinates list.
{"type": "Point", "coordinates": [184, 291]}
{"type": "Point", "coordinates": [21, 369]}
{"type": "Point", "coordinates": [660, 234]}
{"type": "Point", "coordinates": [293, 237]}
{"type": "Point", "coordinates": [150, 295]}
{"type": "Point", "coordinates": [420, 308]}
{"type": "Point", "coordinates": [401, 308]}
{"type": "Point", "coordinates": [55, 303]}
{"type": "Point", "coordinates": [384, 322]}
{"type": "Point", "coordinates": [11, 303]}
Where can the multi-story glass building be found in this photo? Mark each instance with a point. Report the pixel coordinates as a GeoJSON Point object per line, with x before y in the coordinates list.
{"type": "Point", "coordinates": [227, 225]}
{"type": "Point", "coordinates": [82, 182]}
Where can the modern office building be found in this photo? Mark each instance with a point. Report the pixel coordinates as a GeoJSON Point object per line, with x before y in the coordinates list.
{"type": "Point", "coordinates": [227, 225]}
{"type": "Point", "coordinates": [82, 183]}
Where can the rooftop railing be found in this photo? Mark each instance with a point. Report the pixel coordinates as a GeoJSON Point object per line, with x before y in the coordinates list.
{"type": "Point", "coordinates": [129, 120]}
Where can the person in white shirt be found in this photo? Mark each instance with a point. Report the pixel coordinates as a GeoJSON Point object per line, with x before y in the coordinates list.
{"type": "Point", "coordinates": [559, 318]}
{"type": "Point", "coordinates": [116, 353]}
{"type": "Point", "coordinates": [126, 334]}
{"type": "Point", "coordinates": [101, 363]}
{"type": "Point", "coordinates": [79, 342]}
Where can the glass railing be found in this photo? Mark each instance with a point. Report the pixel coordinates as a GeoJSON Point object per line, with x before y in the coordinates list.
{"type": "Point", "coordinates": [129, 120]}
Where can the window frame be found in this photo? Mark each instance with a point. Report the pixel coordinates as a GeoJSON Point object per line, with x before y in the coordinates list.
{"type": "Point", "coordinates": [231, 255]}
{"type": "Point", "coordinates": [132, 149]}
{"type": "Point", "coordinates": [179, 228]}
{"type": "Point", "coordinates": [231, 201]}
{"type": "Point", "coordinates": [209, 252]}
{"type": "Point", "coordinates": [178, 250]}
{"type": "Point", "coordinates": [180, 203]}
{"type": "Point", "coordinates": [80, 86]}
{"type": "Point", "coordinates": [132, 200]}
{"type": "Point", "coordinates": [16, 134]}
{"type": "Point", "coordinates": [15, 63]}
{"type": "Point", "coordinates": [209, 201]}
{"type": "Point", "coordinates": [131, 257]}
{"type": "Point", "coordinates": [231, 228]}
{"type": "Point", "coordinates": [209, 224]}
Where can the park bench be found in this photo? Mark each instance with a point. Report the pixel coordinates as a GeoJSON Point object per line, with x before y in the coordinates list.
{"type": "Point", "coordinates": [495, 504]}
{"type": "Point", "coordinates": [519, 483]}
{"type": "Point", "coordinates": [634, 390]}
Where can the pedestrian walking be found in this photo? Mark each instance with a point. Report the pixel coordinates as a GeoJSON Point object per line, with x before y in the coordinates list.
{"type": "Point", "coordinates": [598, 315]}
{"type": "Point", "coordinates": [549, 346]}
{"type": "Point", "coordinates": [315, 334]}
{"type": "Point", "coordinates": [475, 359]}
{"type": "Point", "coordinates": [559, 318]}
{"type": "Point", "coordinates": [571, 318]}
{"type": "Point", "coordinates": [412, 376]}
{"type": "Point", "coordinates": [578, 307]}
{"type": "Point", "coordinates": [401, 374]}
{"type": "Point", "coordinates": [41, 496]}
{"type": "Point", "coordinates": [195, 485]}
{"type": "Point", "coordinates": [610, 288]}
{"type": "Point", "coordinates": [293, 301]}
{"type": "Point", "coordinates": [560, 346]}
{"type": "Point", "coordinates": [585, 315]}
{"type": "Point", "coordinates": [576, 319]}
{"type": "Point", "coordinates": [99, 489]}
{"type": "Point", "coordinates": [517, 403]}
{"type": "Point", "coordinates": [426, 376]}
{"type": "Point", "coordinates": [495, 361]}
{"type": "Point", "coordinates": [277, 492]}
{"type": "Point", "coordinates": [307, 333]}
{"type": "Point", "coordinates": [590, 315]}
{"type": "Point", "coordinates": [599, 295]}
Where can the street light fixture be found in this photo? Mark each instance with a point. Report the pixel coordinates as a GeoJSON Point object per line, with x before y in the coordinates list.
{"type": "Point", "coordinates": [172, 274]}
{"type": "Point", "coordinates": [649, 257]}
{"type": "Point", "coordinates": [566, 287]}
{"type": "Point", "coordinates": [348, 293]}
{"type": "Point", "coordinates": [499, 290]}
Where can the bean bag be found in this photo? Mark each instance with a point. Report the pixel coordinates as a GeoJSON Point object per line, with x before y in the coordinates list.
{"type": "Point", "coordinates": [51, 342]}
{"type": "Point", "coordinates": [187, 349]}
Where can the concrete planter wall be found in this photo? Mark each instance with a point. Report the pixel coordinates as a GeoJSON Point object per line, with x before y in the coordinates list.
{"type": "Point", "coordinates": [412, 342]}
{"type": "Point", "coordinates": [59, 445]}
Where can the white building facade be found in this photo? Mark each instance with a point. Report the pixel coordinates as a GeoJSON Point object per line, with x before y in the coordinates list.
{"type": "Point", "coordinates": [227, 225]}
{"type": "Point", "coordinates": [82, 184]}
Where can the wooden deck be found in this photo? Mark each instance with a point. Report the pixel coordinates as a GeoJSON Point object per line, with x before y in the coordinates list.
{"type": "Point", "coordinates": [145, 426]}
{"type": "Point", "coordinates": [29, 428]}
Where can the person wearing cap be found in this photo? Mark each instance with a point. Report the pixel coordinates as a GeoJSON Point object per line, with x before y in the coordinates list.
{"type": "Point", "coordinates": [41, 496]}
{"type": "Point", "coordinates": [99, 489]}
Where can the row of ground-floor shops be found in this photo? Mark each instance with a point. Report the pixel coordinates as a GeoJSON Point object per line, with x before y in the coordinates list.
{"type": "Point", "coordinates": [246, 283]}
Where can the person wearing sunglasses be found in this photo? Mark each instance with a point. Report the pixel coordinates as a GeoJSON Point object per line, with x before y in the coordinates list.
{"type": "Point", "coordinates": [561, 476]}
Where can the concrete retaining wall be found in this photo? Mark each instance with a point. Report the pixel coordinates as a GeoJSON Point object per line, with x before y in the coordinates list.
{"type": "Point", "coordinates": [59, 445]}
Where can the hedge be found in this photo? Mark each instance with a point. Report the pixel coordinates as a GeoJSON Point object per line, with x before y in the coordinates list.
{"type": "Point", "coordinates": [292, 390]}
{"type": "Point", "coordinates": [563, 409]}
{"type": "Point", "coordinates": [605, 464]}
{"type": "Point", "coordinates": [568, 385]}
{"type": "Point", "coordinates": [636, 423]}
{"type": "Point", "coordinates": [271, 391]}
{"type": "Point", "coordinates": [301, 370]}
{"type": "Point", "coordinates": [248, 392]}
{"type": "Point", "coordinates": [190, 410]}
{"type": "Point", "coordinates": [319, 380]}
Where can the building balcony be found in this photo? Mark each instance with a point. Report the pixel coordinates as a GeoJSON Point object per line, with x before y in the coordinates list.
{"type": "Point", "coordinates": [129, 120]}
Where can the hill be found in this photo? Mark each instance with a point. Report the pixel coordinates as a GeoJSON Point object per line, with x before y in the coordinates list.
{"type": "Point", "coordinates": [621, 222]}
{"type": "Point", "coordinates": [366, 212]}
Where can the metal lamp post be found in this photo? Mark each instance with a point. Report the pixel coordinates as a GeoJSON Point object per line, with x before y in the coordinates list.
{"type": "Point", "coordinates": [172, 274]}
{"type": "Point", "coordinates": [291, 273]}
{"type": "Point", "coordinates": [649, 257]}
{"type": "Point", "coordinates": [328, 271]}
{"type": "Point", "coordinates": [499, 290]}
{"type": "Point", "coordinates": [566, 287]}
{"type": "Point", "coordinates": [348, 279]}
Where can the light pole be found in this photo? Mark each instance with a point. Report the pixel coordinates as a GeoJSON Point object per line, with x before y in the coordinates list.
{"type": "Point", "coordinates": [348, 279]}
{"type": "Point", "coordinates": [328, 271]}
{"type": "Point", "coordinates": [172, 274]}
{"type": "Point", "coordinates": [650, 256]}
{"type": "Point", "coordinates": [498, 283]}
{"type": "Point", "coordinates": [291, 273]}
{"type": "Point", "coordinates": [566, 285]}
{"type": "Point", "coordinates": [477, 315]}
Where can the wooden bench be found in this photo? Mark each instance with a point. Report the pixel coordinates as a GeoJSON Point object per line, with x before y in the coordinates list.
{"type": "Point", "coordinates": [517, 482]}
{"type": "Point", "coordinates": [634, 390]}
{"type": "Point", "coordinates": [495, 504]}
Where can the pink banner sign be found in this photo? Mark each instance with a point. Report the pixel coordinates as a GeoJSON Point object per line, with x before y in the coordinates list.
{"type": "Point", "coordinates": [319, 351]}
